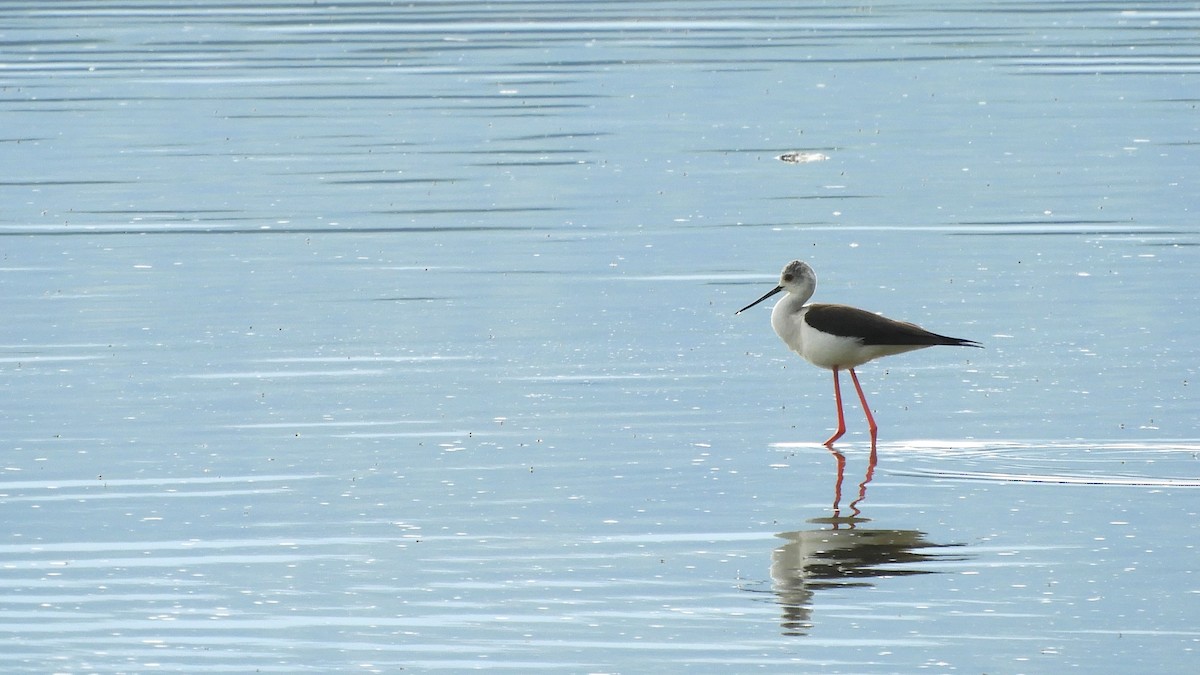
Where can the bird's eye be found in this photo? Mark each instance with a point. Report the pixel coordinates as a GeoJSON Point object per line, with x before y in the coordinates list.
{"type": "Point", "coordinates": [787, 277]}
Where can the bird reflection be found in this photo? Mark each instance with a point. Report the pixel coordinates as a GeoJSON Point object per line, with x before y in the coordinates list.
{"type": "Point", "coordinates": [842, 554]}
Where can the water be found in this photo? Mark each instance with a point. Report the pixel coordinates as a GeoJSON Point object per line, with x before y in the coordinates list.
{"type": "Point", "coordinates": [365, 337]}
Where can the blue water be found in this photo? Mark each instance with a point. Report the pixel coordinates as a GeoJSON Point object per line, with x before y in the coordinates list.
{"type": "Point", "coordinates": [353, 338]}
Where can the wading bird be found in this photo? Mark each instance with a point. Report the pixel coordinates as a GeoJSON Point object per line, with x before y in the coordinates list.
{"type": "Point", "coordinates": [839, 337]}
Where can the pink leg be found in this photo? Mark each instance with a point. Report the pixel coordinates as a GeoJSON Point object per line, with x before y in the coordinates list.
{"type": "Point", "coordinates": [866, 408]}
{"type": "Point", "coordinates": [837, 394]}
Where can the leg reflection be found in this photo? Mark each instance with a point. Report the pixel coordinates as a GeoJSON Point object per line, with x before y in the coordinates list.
{"type": "Point", "coordinates": [862, 487]}
{"type": "Point", "coordinates": [840, 459]}
{"type": "Point", "coordinates": [837, 483]}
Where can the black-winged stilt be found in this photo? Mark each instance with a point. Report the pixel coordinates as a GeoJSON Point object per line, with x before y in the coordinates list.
{"type": "Point", "coordinates": [839, 337]}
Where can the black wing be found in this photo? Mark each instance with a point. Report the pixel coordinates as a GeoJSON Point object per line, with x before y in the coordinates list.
{"type": "Point", "coordinates": [872, 329]}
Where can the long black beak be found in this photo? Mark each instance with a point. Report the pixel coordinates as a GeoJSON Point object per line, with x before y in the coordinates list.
{"type": "Point", "coordinates": [773, 291]}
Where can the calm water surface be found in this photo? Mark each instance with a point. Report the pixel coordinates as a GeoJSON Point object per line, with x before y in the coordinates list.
{"type": "Point", "coordinates": [373, 336]}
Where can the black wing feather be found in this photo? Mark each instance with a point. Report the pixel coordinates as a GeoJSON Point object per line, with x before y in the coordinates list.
{"type": "Point", "coordinates": [873, 329]}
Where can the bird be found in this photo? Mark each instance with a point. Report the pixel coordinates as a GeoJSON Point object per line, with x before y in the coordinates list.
{"type": "Point", "coordinates": [840, 337]}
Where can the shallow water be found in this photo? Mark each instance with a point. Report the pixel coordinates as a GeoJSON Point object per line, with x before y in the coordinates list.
{"type": "Point", "coordinates": [365, 337]}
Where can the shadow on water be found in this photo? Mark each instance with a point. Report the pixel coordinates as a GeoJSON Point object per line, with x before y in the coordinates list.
{"type": "Point", "coordinates": [843, 553]}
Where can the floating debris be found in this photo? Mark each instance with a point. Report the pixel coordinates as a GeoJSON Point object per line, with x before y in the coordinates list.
{"type": "Point", "coordinates": [802, 157]}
